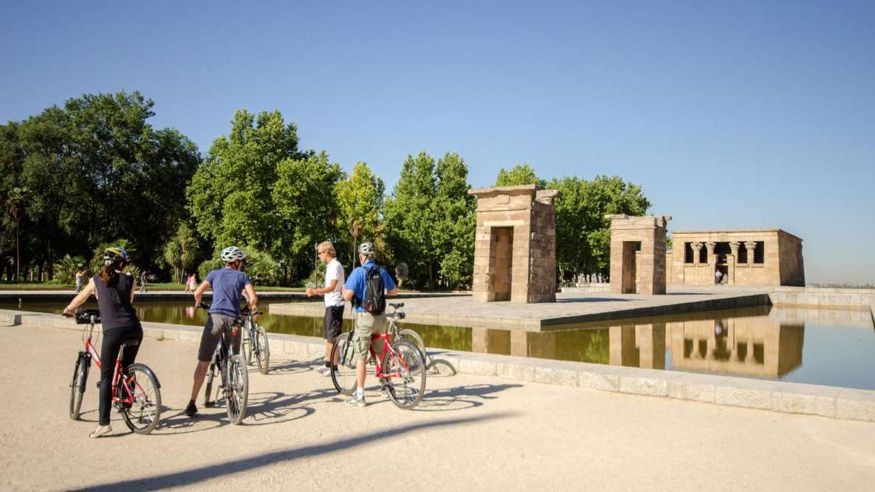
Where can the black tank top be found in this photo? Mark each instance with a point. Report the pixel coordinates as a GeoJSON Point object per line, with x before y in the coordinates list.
{"type": "Point", "coordinates": [114, 302]}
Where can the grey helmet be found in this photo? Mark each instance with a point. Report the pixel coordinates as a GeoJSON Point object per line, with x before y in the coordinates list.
{"type": "Point", "coordinates": [367, 249]}
{"type": "Point", "coordinates": [232, 254]}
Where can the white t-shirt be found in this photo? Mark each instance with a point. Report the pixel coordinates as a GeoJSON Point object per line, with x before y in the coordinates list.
{"type": "Point", "coordinates": [334, 271]}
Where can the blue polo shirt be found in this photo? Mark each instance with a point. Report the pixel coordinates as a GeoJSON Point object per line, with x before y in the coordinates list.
{"type": "Point", "coordinates": [227, 285]}
{"type": "Point", "coordinates": [356, 283]}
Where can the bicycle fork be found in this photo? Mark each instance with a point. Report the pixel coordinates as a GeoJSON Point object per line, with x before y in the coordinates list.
{"type": "Point", "coordinates": [85, 364]}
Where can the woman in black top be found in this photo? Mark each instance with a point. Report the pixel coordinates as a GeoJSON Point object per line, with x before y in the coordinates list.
{"type": "Point", "coordinates": [114, 290]}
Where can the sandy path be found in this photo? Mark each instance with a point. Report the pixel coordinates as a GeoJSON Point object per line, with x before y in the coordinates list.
{"type": "Point", "coordinates": [470, 432]}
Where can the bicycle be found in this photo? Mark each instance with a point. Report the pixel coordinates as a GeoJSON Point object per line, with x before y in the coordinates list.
{"type": "Point", "coordinates": [400, 367]}
{"type": "Point", "coordinates": [260, 347]}
{"type": "Point", "coordinates": [136, 392]}
{"type": "Point", "coordinates": [235, 378]}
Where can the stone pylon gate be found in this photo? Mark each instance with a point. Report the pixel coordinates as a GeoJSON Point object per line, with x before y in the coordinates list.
{"type": "Point", "coordinates": [638, 254]}
{"type": "Point", "coordinates": [515, 249]}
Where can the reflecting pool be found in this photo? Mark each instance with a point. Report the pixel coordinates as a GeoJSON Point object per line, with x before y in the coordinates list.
{"type": "Point", "coordinates": [830, 347]}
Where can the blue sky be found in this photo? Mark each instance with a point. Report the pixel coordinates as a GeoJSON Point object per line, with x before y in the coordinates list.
{"type": "Point", "coordinates": [729, 114]}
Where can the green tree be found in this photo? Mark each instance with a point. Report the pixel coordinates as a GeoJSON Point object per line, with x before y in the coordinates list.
{"type": "Point", "coordinates": [97, 171]}
{"type": "Point", "coordinates": [521, 174]}
{"type": "Point", "coordinates": [582, 231]}
{"type": "Point", "coordinates": [410, 219]}
{"type": "Point", "coordinates": [305, 208]}
{"type": "Point", "coordinates": [231, 197]}
{"type": "Point", "coordinates": [181, 251]}
{"type": "Point", "coordinates": [360, 204]}
{"type": "Point", "coordinates": [456, 221]}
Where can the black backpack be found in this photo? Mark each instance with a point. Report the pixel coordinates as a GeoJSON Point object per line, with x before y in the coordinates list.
{"type": "Point", "coordinates": [375, 293]}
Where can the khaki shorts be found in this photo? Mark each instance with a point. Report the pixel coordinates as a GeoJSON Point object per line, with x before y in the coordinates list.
{"type": "Point", "coordinates": [366, 325]}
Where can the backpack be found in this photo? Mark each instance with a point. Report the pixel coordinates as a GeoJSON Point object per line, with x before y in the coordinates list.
{"type": "Point", "coordinates": [375, 293]}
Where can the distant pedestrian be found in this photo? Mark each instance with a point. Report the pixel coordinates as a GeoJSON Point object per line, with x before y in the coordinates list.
{"type": "Point", "coordinates": [718, 277]}
{"type": "Point", "coordinates": [192, 282]}
{"type": "Point", "coordinates": [143, 276]}
{"type": "Point", "coordinates": [80, 278]}
{"type": "Point", "coordinates": [334, 303]}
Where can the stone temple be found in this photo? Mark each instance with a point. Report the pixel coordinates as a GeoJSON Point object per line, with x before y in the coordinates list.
{"type": "Point", "coordinates": [761, 257]}
{"type": "Point", "coordinates": [515, 248]}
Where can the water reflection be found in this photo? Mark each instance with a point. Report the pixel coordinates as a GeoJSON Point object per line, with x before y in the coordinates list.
{"type": "Point", "coordinates": [758, 342]}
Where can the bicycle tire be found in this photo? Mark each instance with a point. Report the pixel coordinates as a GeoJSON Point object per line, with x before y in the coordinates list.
{"type": "Point", "coordinates": [238, 389]}
{"type": "Point", "coordinates": [412, 336]}
{"type": "Point", "coordinates": [144, 414]}
{"type": "Point", "coordinates": [406, 389]}
{"type": "Point", "coordinates": [211, 374]}
{"type": "Point", "coordinates": [343, 375]}
{"type": "Point", "coordinates": [77, 387]}
{"type": "Point", "coordinates": [441, 367]}
{"type": "Point", "coordinates": [262, 351]}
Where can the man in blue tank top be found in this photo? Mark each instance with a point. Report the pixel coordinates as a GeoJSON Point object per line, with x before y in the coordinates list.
{"type": "Point", "coordinates": [228, 285]}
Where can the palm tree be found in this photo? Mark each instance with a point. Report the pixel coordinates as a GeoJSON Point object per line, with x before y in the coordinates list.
{"type": "Point", "coordinates": [17, 204]}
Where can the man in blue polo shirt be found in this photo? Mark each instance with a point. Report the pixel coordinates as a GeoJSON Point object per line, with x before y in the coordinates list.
{"type": "Point", "coordinates": [366, 324]}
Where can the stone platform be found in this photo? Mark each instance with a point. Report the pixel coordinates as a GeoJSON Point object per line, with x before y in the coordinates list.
{"type": "Point", "coordinates": [570, 308]}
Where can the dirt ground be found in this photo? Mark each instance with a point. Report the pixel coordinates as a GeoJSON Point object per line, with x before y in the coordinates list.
{"type": "Point", "coordinates": [468, 433]}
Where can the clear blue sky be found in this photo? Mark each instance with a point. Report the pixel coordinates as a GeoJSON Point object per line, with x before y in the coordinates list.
{"type": "Point", "coordinates": [728, 114]}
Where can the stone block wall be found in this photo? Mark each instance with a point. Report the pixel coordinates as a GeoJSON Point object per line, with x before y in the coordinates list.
{"type": "Point", "coordinates": [522, 220]}
{"type": "Point", "coordinates": [638, 262]}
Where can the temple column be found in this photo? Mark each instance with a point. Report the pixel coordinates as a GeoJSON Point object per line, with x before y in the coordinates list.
{"type": "Point", "coordinates": [751, 247]}
{"type": "Point", "coordinates": [697, 247]}
{"type": "Point", "coordinates": [732, 260]}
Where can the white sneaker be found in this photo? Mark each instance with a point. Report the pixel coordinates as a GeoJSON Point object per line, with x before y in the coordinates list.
{"type": "Point", "coordinates": [324, 371]}
{"type": "Point", "coordinates": [356, 402]}
{"type": "Point", "coordinates": [100, 431]}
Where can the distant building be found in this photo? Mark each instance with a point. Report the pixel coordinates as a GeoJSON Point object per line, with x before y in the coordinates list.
{"type": "Point", "coordinates": [760, 257]}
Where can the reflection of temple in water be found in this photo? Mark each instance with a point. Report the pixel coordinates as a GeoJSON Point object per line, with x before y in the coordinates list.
{"type": "Point", "coordinates": [745, 344]}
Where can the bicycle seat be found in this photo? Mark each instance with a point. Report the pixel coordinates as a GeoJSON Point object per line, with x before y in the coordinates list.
{"type": "Point", "coordinates": [397, 305]}
{"type": "Point", "coordinates": [84, 317]}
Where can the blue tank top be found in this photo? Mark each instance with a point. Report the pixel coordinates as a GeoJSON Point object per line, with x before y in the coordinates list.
{"type": "Point", "coordinates": [114, 302]}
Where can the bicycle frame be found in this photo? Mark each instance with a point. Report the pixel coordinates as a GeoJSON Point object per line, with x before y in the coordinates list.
{"type": "Point", "coordinates": [92, 354]}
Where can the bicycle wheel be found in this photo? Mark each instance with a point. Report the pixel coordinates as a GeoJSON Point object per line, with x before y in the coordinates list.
{"type": "Point", "coordinates": [211, 375]}
{"type": "Point", "coordinates": [407, 386]}
{"type": "Point", "coordinates": [441, 368]}
{"type": "Point", "coordinates": [238, 389]}
{"type": "Point", "coordinates": [144, 413]}
{"type": "Point", "coordinates": [343, 375]}
{"type": "Point", "coordinates": [77, 386]}
{"type": "Point", "coordinates": [413, 337]}
{"type": "Point", "coordinates": [262, 349]}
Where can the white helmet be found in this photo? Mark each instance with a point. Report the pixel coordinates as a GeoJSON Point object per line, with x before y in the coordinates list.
{"type": "Point", "coordinates": [232, 254]}
{"type": "Point", "coordinates": [366, 249]}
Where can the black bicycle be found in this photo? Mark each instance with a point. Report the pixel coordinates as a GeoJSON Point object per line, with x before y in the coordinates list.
{"type": "Point", "coordinates": [231, 368]}
{"type": "Point", "coordinates": [255, 340]}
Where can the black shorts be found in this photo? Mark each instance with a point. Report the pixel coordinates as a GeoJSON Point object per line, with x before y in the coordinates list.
{"type": "Point", "coordinates": [333, 322]}
{"type": "Point", "coordinates": [217, 325]}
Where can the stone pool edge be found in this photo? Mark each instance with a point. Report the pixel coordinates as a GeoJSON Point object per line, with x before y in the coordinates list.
{"type": "Point", "coordinates": [776, 396]}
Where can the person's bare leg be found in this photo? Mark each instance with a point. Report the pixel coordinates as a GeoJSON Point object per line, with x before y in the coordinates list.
{"type": "Point", "coordinates": [199, 373]}
{"type": "Point", "coordinates": [360, 372]}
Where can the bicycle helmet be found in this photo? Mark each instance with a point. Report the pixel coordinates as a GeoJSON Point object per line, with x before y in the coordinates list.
{"type": "Point", "coordinates": [232, 254]}
{"type": "Point", "coordinates": [367, 249]}
{"type": "Point", "coordinates": [115, 255]}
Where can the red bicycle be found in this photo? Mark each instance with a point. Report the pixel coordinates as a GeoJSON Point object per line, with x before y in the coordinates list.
{"type": "Point", "coordinates": [400, 367]}
{"type": "Point", "coordinates": [136, 392]}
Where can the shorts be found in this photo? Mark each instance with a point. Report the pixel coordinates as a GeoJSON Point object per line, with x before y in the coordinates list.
{"type": "Point", "coordinates": [366, 325]}
{"type": "Point", "coordinates": [333, 322]}
{"type": "Point", "coordinates": [217, 325]}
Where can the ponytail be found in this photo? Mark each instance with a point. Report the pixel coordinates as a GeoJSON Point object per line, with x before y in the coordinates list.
{"type": "Point", "coordinates": [108, 273]}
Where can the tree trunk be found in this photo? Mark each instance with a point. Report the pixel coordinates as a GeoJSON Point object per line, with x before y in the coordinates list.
{"type": "Point", "coordinates": [18, 250]}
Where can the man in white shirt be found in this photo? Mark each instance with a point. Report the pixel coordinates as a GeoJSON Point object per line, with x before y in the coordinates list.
{"type": "Point", "coordinates": [334, 303]}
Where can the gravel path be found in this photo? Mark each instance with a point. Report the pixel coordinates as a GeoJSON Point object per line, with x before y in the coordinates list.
{"type": "Point", "coordinates": [469, 432]}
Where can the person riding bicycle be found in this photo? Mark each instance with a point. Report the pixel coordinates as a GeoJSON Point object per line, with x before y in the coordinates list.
{"type": "Point", "coordinates": [228, 285]}
{"type": "Point", "coordinates": [114, 290]}
{"type": "Point", "coordinates": [367, 323]}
